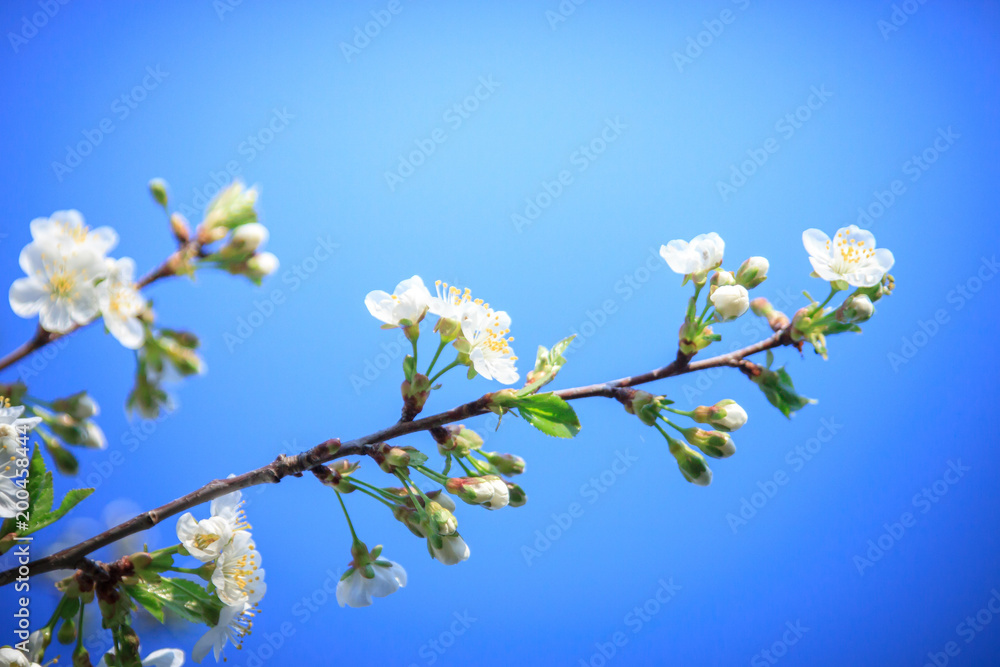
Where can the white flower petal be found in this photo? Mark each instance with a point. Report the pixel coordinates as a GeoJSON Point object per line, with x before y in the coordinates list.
{"type": "Point", "coordinates": [27, 296]}
{"type": "Point", "coordinates": [817, 243]}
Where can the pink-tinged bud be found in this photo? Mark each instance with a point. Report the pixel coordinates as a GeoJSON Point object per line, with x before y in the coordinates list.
{"type": "Point", "coordinates": [473, 490]}
{"type": "Point", "coordinates": [775, 318]}
{"type": "Point", "coordinates": [725, 415]}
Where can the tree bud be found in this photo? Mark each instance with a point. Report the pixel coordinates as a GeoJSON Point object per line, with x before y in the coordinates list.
{"type": "Point", "coordinates": [752, 272]}
{"type": "Point", "coordinates": [507, 464]}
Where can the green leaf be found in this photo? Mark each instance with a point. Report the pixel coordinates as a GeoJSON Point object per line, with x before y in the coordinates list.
{"type": "Point", "coordinates": [185, 598]}
{"type": "Point", "coordinates": [40, 491]}
{"type": "Point", "coordinates": [549, 414]}
{"type": "Point", "coordinates": [547, 365]}
{"type": "Point", "coordinates": [146, 600]}
{"type": "Point", "coordinates": [780, 391]}
{"type": "Point", "coordinates": [69, 501]}
{"type": "Point", "coordinates": [409, 366]}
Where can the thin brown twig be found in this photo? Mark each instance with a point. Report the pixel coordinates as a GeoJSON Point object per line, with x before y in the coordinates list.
{"type": "Point", "coordinates": [272, 473]}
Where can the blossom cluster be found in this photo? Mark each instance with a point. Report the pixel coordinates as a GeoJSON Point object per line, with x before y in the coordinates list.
{"type": "Point", "coordinates": [233, 565]}
{"type": "Point", "coordinates": [477, 331]}
{"type": "Point", "coordinates": [70, 279]}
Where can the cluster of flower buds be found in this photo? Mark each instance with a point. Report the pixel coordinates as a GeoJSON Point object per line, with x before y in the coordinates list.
{"type": "Point", "coordinates": [231, 216]}
{"type": "Point", "coordinates": [62, 423]}
{"type": "Point", "coordinates": [726, 416]}
{"type": "Point", "coordinates": [728, 294]}
{"type": "Point", "coordinates": [164, 353]}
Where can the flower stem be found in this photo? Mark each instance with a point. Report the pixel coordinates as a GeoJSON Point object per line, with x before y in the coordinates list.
{"type": "Point", "coordinates": [414, 342]}
{"type": "Point", "coordinates": [447, 465]}
{"type": "Point", "coordinates": [79, 627]}
{"type": "Point", "coordinates": [434, 360]}
{"type": "Point", "coordinates": [347, 516]}
{"type": "Point", "coordinates": [55, 614]}
{"type": "Point", "coordinates": [683, 413]}
{"type": "Point", "coordinates": [833, 291]}
{"type": "Point", "coordinates": [431, 474]}
{"type": "Point", "coordinates": [444, 370]}
{"type": "Point", "coordinates": [185, 570]}
{"type": "Point", "coordinates": [372, 487]}
{"type": "Point", "coordinates": [376, 496]}
{"type": "Point", "coordinates": [466, 468]}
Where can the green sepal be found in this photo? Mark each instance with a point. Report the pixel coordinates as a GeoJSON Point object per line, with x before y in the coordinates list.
{"type": "Point", "coordinates": [409, 367]}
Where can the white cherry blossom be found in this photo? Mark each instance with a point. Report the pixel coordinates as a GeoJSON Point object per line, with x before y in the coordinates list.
{"type": "Point", "coordinates": [121, 303]}
{"type": "Point", "coordinates": [407, 304]}
{"type": "Point", "coordinates": [731, 301]}
{"type": "Point", "coordinates": [59, 286]}
{"type": "Point", "coordinates": [235, 623]}
{"type": "Point", "coordinates": [238, 576]}
{"type": "Point", "coordinates": [356, 590]}
{"type": "Point", "coordinates": [489, 347]}
{"type": "Point", "coordinates": [850, 256]}
{"type": "Point", "coordinates": [695, 258]}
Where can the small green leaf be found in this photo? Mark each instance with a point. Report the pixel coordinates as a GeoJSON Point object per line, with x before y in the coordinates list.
{"type": "Point", "coordinates": [72, 498]}
{"type": "Point", "coordinates": [549, 414]}
{"type": "Point", "coordinates": [40, 491]}
{"type": "Point", "coordinates": [780, 391]}
{"type": "Point", "coordinates": [409, 366]}
{"type": "Point", "coordinates": [547, 365]}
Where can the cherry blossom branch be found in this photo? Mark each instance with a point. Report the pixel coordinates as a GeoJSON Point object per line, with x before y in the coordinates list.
{"type": "Point", "coordinates": [41, 337]}
{"type": "Point", "coordinates": [284, 466]}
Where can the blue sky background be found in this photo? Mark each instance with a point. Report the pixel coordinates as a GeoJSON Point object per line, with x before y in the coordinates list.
{"type": "Point", "coordinates": [898, 422]}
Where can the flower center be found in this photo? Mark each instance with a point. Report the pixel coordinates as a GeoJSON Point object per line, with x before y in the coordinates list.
{"type": "Point", "coordinates": [848, 252]}
{"type": "Point", "coordinates": [204, 541]}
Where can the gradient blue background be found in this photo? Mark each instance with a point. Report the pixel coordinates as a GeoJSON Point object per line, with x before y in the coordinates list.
{"type": "Point", "coordinates": [289, 385]}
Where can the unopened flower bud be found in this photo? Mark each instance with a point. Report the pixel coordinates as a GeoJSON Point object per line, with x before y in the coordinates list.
{"type": "Point", "coordinates": [730, 301]}
{"type": "Point", "coordinates": [81, 657]}
{"type": "Point", "coordinates": [79, 406]}
{"type": "Point", "coordinates": [158, 188]}
{"type": "Point", "coordinates": [716, 444]}
{"type": "Point", "coordinates": [752, 272]}
{"type": "Point", "coordinates": [692, 338]}
{"type": "Point", "coordinates": [501, 493]}
{"type": "Point", "coordinates": [801, 323]}
{"type": "Point", "coordinates": [775, 318]}
{"type": "Point", "coordinates": [644, 405]}
{"type": "Point", "coordinates": [408, 518]}
{"type": "Point", "coordinates": [94, 437]}
{"type": "Point", "coordinates": [517, 495]}
{"type": "Point", "coordinates": [391, 458]}
{"type": "Point", "coordinates": [473, 490]}
{"type": "Point", "coordinates": [692, 464]}
{"type": "Point", "coordinates": [442, 499]}
{"type": "Point", "coordinates": [67, 632]}
{"type": "Point", "coordinates": [180, 227]}
{"type": "Point", "coordinates": [456, 439]}
{"type": "Point", "coordinates": [247, 238]}
{"type": "Point", "coordinates": [721, 279]}
{"type": "Point", "coordinates": [443, 521]}
{"type": "Point", "coordinates": [232, 207]}
{"type": "Point", "coordinates": [261, 265]}
{"type": "Point", "coordinates": [140, 560]}
{"type": "Point", "coordinates": [856, 309]}
{"type": "Point", "coordinates": [726, 415]}
{"type": "Point", "coordinates": [209, 235]}
{"type": "Point", "coordinates": [507, 464]}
